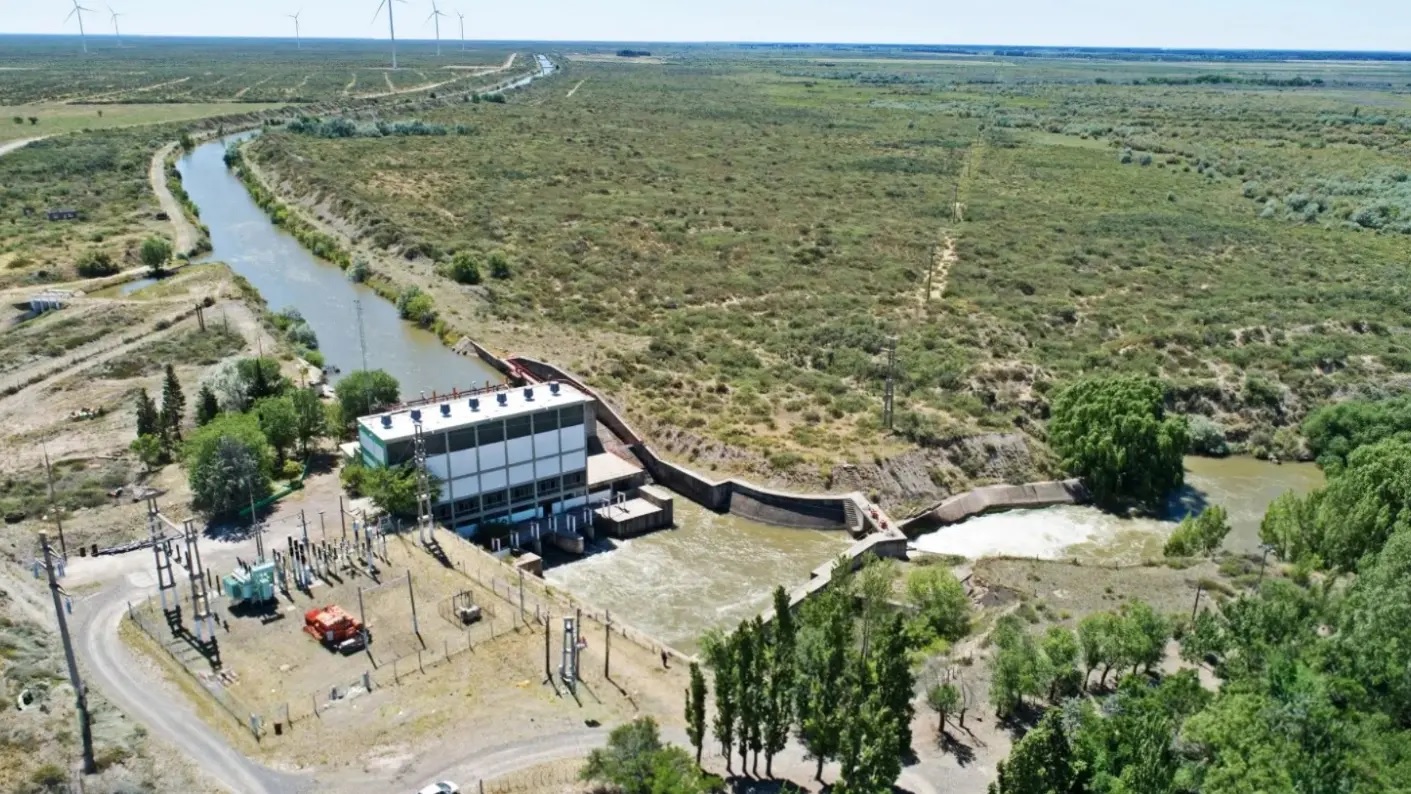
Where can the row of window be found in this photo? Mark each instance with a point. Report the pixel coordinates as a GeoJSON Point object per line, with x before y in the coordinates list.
{"type": "Point", "coordinates": [546, 488]}
{"type": "Point", "coordinates": [399, 452]}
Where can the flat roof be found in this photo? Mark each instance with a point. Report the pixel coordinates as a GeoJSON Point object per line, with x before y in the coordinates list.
{"type": "Point", "coordinates": [628, 510]}
{"type": "Point", "coordinates": [489, 408]}
{"type": "Point", "coordinates": [607, 467]}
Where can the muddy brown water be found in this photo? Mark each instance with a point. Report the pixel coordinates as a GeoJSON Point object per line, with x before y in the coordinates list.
{"type": "Point", "coordinates": [1243, 486]}
{"type": "Point", "coordinates": [287, 275]}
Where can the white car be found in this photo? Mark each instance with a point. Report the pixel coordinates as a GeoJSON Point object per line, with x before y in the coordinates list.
{"type": "Point", "coordinates": [441, 787]}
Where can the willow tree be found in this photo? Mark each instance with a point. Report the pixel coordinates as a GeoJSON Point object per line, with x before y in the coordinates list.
{"type": "Point", "coordinates": [1114, 433]}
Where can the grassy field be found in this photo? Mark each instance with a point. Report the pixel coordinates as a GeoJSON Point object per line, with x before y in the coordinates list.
{"type": "Point", "coordinates": [59, 118]}
{"type": "Point", "coordinates": [758, 222]}
{"type": "Point", "coordinates": [166, 70]}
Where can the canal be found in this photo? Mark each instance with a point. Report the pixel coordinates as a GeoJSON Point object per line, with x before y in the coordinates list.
{"type": "Point", "coordinates": [1243, 486]}
{"type": "Point", "coordinates": [243, 237]}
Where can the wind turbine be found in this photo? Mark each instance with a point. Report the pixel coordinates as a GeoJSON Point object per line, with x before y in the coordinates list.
{"type": "Point", "coordinates": [78, 10]}
{"type": "Point", "coordinates": [298, 43]}
{"type": "Point", "coordinates": [391, 26]}
{"type": "Point", "coordinates": [116, 32]}
{"type": "Point", "coordinates": [436, 14]}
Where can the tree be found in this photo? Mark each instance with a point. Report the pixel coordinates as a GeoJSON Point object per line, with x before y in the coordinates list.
{"type": "Point", "coordinates": [155, 254]}
{"type": "Point", "coordinates": [148, 422]}
{"type": "Point", "coordinates": [365, 392]}
{"type": "Point", "coordinates": [824, 637]}
{"type": "Point", "coordinates": [779, 717]}
{"type": "Point", "coordinates": [279, 423]}
{"type": "Point", "coordinates": [1018, 667]}
{"type": "Point", "coordinates": [942, 698]}
{"type": "Point", "coordinates": [1060, 648]}
{"type": "Point", "coordinates": [869, 754]}
{"type": "Point", "coordinates": [499, 265]}
{"type": "Point", "coordinates": [1200, 534]}
{"type": "Point", "coordinates": [226, 461]}
{"type": "Point", "coordinates": [1114, 433]}
{"type": "Point", "coordinates": [720, 656]}
{"type": "Point", "coordinates": [750, 692]}
{"type": "Point", "coordinates": [173, 406]}
{"type": "Point", "coordinates": [1143, 634]}
{"type": "Point", "coordinates": [95, 263]}
{"type": "Point", "coordinates": [465, 268]}
{"type": "Point", "coordinates": [636, 762]}
{"type": "Point", "coordinates": [943, 608]}
{"type": "Point", "coordinates": [207, 406]}
{"type": "Point", "coordinates": [1334, 431]}
{"type": "Point", "coordinates": [228, 384]}
{"type": "Point", "coordinates": [1098, 639]}
{"type": "Point", "coordinates": [696, 710]}
{"type": "Point", "coordinates": [149, 450]}
{"type": "Point", "coordinates": [1042, 763]}
{"type": "Point", "coordinates": [262, 377]}
{"type": "Point", "coordinates": [893, 680]}
{"type": "Point", "coordinates": [310, 420]}
{"type": "Point", "coordinates": [394, 488]}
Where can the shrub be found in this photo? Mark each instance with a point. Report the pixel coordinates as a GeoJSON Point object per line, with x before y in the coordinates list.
{"type": "Point", "coordinates": [465, 268]}
{"type": "Point", "coordinates": [416, 306]}
{"type": "Point", "coordinates": [359, 271]}
{"type": "Point", "coordinates": [95, 263]}
{"type": "Point", "coordinates": [1206, 437]}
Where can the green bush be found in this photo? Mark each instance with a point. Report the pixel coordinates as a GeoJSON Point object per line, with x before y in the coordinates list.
{"type": "Point", "coordinates": [1206, 437]}
{"type": "Point", "coordinates": [95, 263]}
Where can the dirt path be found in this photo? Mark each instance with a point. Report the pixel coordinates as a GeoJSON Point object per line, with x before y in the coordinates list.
{"type": "Point", "coordinates": [125, 92]}
{"type": "Point", "coordinates": [185, 233]}
{"type": "Point", "coordinates": [242, 92]}
{"type": "Point", "coordinates": [10, 146]}
{"type": "Point", "coordinates": [348, 89]}
{"type": "Point", "coordinates": [943, 257]}
{"type": "Point", "coordinates": [395, 91]}
{"type": "Point", "coordinates": [574, 89]}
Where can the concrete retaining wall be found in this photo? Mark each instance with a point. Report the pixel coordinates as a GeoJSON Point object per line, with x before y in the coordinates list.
{"type": "Point", "coordinates": [469, 347]}
{"type": "Point", "coordinates": [757, 503]}
{"type": "Point", "coordinates": [993, 498]}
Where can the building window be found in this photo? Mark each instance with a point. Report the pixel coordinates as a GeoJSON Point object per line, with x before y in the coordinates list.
{"type": "Point", "coordinates": [522, 492]}
{"type": "Point", "coordinates": [442, 511]}
{"type": "Point", "coordinates": [464, 506]}
{"type": "Point", "coordinates": [549, 485]}
{"type": "Point", "coordinates": [546, 421]}
{"type": "Point", "coordinates": [435, 443]}
{"type": "Point", "coordinates": [516, 427]}
{"type": "Point", "coordinates": [492, 432]}
{"type": "Point", "coordinates": [461, 439]}
{"type": "Point", "coordinates": [494, 499]}
{"type": "Point", "coordinates": [575, 478]}
{"type": "Point", "coordinates": [399, 452]}
{"type": "Point", "coordinates": [571, 416]}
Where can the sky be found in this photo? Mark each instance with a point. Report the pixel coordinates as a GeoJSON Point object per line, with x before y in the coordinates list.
{"type": "Point", "coordinates": [1230, 24]}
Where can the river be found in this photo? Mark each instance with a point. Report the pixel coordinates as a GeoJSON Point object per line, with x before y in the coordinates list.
{"type": "Point", "coordinates": [287, 275]}
{"type": "Point", "coordinates": [1243, 486]}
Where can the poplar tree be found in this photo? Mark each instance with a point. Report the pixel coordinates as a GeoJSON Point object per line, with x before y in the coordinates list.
{"type": "Point", "coordinates": [893, 680]}
{"type": "Point", "coordinates": [747, 681]}
{"type": "Point", "coordinates": [779, 716]}
{"type": "Point", "coordinates": [720, 655]}
{"type": "Point", "coordinates": [207, 406]}
{"type": "Point", "coordinates": [824, 639]}
{"type": "Point", "coordinates": [695, 710]}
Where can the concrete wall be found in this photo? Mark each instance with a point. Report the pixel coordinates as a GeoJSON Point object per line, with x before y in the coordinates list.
{"type": "Point", "coordinates": [757, 503]}
{"type": "Point", "coordinates": [469, 347]}
{"type": "Point", "coordinates": [991, 498]}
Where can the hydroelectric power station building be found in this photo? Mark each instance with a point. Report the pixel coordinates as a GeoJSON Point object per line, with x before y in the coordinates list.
{"type": "Point", "coordinates": [501, 455]}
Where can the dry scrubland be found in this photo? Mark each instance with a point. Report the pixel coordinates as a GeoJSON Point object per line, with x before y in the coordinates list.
{"type": "Point", "coordinates": [724, 241]}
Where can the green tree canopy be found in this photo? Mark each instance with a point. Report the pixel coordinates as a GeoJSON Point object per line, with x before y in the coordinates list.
{"type": "Point", "coordinates": [365, 392]}
{"type": "Point", "coordinates": [636, 762]}
{"type": "Point", "coordinates": [279, 423]}
{"type": "Point", "coordinates": [1334, 431]}
{"type": "Point", "coordinates": [1199, 534]}
{"type": "Point", "coordinates": [943, 608]}
{"type": "Point", "coordinates": [310, 419]}
{"type": "Point", "coordinates": [1114, 433]}
{"type": "Point", "coordinates": [225, 460]}
{"type": "Point", "coordinates": [155, 253]}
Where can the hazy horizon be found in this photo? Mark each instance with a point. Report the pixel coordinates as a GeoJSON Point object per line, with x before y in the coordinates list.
{"type": "Point", "coordinates": [1353, 25]}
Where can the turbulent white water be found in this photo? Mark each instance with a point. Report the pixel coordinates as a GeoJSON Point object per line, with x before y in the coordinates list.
{"type": "Point", "coordinates": [712, 570]}
{"type": "Point", "coordinates": [1050, 533]}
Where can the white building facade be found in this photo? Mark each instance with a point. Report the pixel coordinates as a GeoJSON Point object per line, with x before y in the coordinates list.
{"type": "Point", "coordinates": [502, 455]}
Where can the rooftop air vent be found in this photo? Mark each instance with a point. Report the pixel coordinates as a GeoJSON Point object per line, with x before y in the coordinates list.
{"type": "Point", "coordinates": [416, 415]}
{"type": "Point", "coordinates": [475, 403]}
{"type": "Point", "coordinates": [445, 409]}
{"type": "Point", "coordinates": [554, 388]}
{"type": "Point", "coordinates": [386, 420]}
{"type": "Point", "coordinates": [528, 393]}
{"type": "Point", "coordinates": [502, 398]}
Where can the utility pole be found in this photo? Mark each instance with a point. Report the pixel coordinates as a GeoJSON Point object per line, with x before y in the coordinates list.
{"type": "Point", "coordinates": [80, 695]}
{"type": "Point", "coordinates": [887, 396]}
{"type": "Point", "coordinates": [607, 645]}
{"type": "Point", "coordinates": [54, 505]}
{"type": "Point", "coordinates": [358, 303]}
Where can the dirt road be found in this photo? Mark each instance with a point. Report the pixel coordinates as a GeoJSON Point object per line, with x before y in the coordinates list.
{"type": "Point", "coordinates": [10, 146]}
{"type": "Point", "coordinates": [185, 234]}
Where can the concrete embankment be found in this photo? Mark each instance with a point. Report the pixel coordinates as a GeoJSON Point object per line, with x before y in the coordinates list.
{"type": "Point", "coordinates": [992, 498]}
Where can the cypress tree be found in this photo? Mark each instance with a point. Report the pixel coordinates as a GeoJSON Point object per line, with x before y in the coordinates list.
{"type": "Point", "coordinates": [173, 405]}
{"type": "Point", "coordinates": [146, 415]}
{"type": "Point", "coordinates": [695, 710]}
{"type": "Point", "coordinates": [207, 406]}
